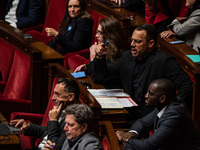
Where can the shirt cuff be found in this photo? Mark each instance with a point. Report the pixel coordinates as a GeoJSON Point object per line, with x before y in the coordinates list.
{"type": "Point", "coordinates": [133, 131]}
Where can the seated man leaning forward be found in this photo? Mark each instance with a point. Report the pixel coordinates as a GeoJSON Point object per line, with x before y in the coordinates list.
{"type": "Point", "coordinates": [78, 135]}
{"type": "Point", "coordinates": [172, 124]}
{"type": "Point", "coordinates": [66, 92]}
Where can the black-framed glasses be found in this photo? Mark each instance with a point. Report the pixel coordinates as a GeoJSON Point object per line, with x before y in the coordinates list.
{"type": "Point", "coordinates": [136, 41]}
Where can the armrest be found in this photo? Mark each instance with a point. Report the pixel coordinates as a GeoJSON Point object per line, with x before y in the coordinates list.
{"type": "Point", "coordinates": [33, 118]}
{"type": "Point", "coordinates": [107, 132]}
{"type": "Point", "coordinates": [40, 36]}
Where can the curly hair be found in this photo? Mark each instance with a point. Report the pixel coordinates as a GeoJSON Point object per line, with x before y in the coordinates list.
{"type": "Point", "coordinates": [82, 113]}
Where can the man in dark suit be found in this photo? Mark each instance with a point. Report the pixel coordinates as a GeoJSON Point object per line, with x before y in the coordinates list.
{"type": "Point", "coordinates": [66, 92]}
{"type": "Point", "coordinates": [138, 67]}
{"type": "Point", "coordinates": [24, 13]}
{"type": "Point", "coordinates": [172, 124]}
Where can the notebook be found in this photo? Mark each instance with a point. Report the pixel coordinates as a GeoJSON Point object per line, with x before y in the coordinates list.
{"type": "Point", "coordinates": [6, 129]}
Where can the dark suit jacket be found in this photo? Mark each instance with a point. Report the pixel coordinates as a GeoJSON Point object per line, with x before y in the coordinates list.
{"type": "Point", "coordinates": [28, 12]}
{"type": "Point", "coordinates": [175, 130]}
{"type": "Point", "coordinates": [77, 37]}
{"type": "Point", "coordinates": [158, 65]}
{"type": "Point", "coordinates": [54, 130]}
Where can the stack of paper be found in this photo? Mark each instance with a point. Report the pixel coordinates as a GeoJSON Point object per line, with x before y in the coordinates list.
{"type": "Point", "coordinates": [112, 98]}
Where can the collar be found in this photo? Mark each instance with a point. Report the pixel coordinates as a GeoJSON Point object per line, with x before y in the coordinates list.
{"type": "Point", "coordinates": [161, 112]}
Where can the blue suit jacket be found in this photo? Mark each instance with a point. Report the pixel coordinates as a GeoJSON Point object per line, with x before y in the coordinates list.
{"type": "Point", "coordinates": [175, 130]}
{"type": "Point", "coordinates": [28, 12]}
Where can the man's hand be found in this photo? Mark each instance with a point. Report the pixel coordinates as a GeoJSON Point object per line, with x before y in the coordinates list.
{"type": "Point", "coordinates": [55, 112]}
{"type": "Point", "coordinates": [49, 146]}
{"type": "Point", "coordinates": [125, 136]}
{"type": "Point", "coordinates": [21, 123]}
{"type": "Point", "coordinates": [166, 34]}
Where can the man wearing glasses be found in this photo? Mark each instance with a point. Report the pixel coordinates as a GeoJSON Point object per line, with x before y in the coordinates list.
{"type": "Point", "coordinates": [138, 67]}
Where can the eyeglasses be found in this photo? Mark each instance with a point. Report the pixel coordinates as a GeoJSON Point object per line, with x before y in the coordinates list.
{"type": "Point", "coordinates": [136, 41]}
{"type": "Point", "coordinates": [99, 32]}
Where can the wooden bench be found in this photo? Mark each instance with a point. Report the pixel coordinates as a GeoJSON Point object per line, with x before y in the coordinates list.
{"type": "Point", "coordinates": [192, 69]}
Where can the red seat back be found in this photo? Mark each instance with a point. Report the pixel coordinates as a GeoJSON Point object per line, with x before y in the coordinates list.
{"type": "Point", "coordinates": [50, 104]}
{"type": "Point", "coordinates": [17, 86]}
{"type": "Point", "coordinates": [55, 14]}
{"type": "Point", "coordinates": [105, 143]}
{"type": "Point", "coordinates": [6, 58]}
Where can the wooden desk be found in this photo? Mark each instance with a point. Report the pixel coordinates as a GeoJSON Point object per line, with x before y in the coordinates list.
{"type": "Point", "coordinates": [116, 116]}
{"type": "Point", "coordinates": [192, 69]}
{"type": "Point", "coordinates": [10, 142]}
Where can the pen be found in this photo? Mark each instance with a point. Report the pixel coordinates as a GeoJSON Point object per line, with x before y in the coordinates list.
{"type": "Point", "coordinates": [105, 43]}
{"type": "Point", "coordinates": [52, 146]}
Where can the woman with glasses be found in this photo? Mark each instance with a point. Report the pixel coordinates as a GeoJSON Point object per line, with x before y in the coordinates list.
{"type": "Point", "coordinates": [109, 37]}
{"type": "Point", "coordinates": [75, 31]}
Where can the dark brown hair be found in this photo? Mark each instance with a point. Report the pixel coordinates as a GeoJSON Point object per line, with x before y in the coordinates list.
{"type": "Point", "coordinates": [112, 32]}
{"type": "Point", "coordinates": [67, 20]}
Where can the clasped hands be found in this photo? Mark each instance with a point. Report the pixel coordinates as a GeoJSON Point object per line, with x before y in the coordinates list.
{"type": "Point", "coordinates": [125, 136]}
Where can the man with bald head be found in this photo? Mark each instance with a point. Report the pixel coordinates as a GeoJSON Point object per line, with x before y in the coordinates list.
{"type": "Point", "coordinates": [172, 124]}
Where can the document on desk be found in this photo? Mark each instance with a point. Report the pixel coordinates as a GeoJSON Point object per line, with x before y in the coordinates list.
{"type": "Point", "coordinates": [109, 103]}
{"type": "Point", "coordinates": [112, 98]}
{"type": "Point", "coordinates": [108, 92]}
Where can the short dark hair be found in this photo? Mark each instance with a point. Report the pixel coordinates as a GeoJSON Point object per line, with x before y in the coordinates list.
{"type": "Point", "coordinates": [166, 87]}
{"type": "Point", "coordinates": [82, 113]}
{"type": "Point", "coordinates": [150, 31]}
{"type": "Point", "coordinates": [71, 86]}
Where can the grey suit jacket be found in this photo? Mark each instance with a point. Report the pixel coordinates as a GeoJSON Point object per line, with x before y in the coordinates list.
{"type": "Point", "coordinates": [175, 130]}
{"type": "Point", "coordinates": [87, 141]}
{"type": "Point", "coordinates": [190, 29]}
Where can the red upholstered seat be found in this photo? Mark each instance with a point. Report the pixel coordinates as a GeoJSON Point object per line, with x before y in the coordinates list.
{"type": "Point", "coordinates": [40, 119]}
{"type": "Point", "coordinates": [15, 68]}
{"type": "Point", "coordinates": [6, 58]}
{"type": "Point", "coordinates": [105, 143]}
{"type": "Point", "coordinates": [18, 82]}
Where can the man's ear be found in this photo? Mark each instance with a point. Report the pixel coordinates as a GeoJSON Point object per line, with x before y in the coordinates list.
{"type": "Point", "coordinates": [84, 127]}
{"type": "Point", "coordinates": [72, 96]}
{"type": "Point", "coordinates": [162, 98]}
{"type": "Point", "coordinates": [151, 43]}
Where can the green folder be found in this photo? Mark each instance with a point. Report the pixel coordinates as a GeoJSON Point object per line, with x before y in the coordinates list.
{"type": "Point", "coordinates": [194, 58]}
